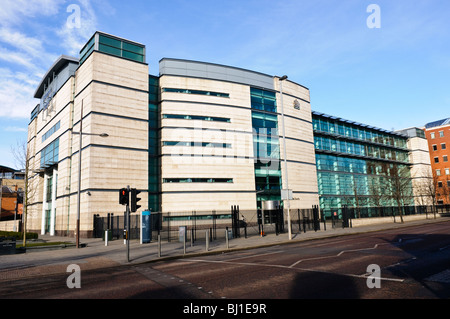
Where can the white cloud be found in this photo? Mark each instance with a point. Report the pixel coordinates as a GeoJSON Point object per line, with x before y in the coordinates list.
{"type": "Point", "coordinates": [31, 46]}
{"type": "Point", "coordinates": [15, 11]}
{"type": "Point", "coordinates": [74, 38]}
{"type": "Point", "coordinates": [15, 129]}
{"type": "Point", "coordinates": [14, 57]}
{"type": "Point", "coordinates": [16, 94]}
{"type": "Point", "coordinates": [24, 53]}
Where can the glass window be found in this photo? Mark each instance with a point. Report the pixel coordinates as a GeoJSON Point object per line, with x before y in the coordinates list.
{"type": "Point", "coordinates": [133, 56]}
{"type": "Point", "coordinates": [198, 180]}
{"type": "Point", "coordinates": [110, 50]}
{"type": "Point", "coordinates": [51, 131]}
{"type": "Point", "coordinates": [133, 48]}
{"type": "Point", "coordinates": [341, 129]}
{"type": "Point", "coordinates": [110, 41]}
{"type": "Point", "coordinates": [196, 117]}
{"type": "Point", "coordinates": [87, 50]}
{"type": "Point", "coordinates": [420, 133]}
{"type": "Point", "coordinates": [254, 91]}
{"type": "Point", "coordinates": [263, 100]}
{"type": "Point", "coordinates": [121, 48]}
{"type": "Point", "coordinates": [50, 154]}
{"type": "Point", "coordinates": [197, 92]}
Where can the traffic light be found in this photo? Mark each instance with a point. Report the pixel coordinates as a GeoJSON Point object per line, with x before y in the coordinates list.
{"type": "Point", "coordinates": [124, 196]}
{"type": "Point", "coordinates": [134, 200]}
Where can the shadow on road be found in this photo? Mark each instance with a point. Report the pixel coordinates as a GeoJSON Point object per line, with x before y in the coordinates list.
{"type": "Point", "coordinates": [316, 285]}
{"type": "Point", "coordinates": [429, 263]}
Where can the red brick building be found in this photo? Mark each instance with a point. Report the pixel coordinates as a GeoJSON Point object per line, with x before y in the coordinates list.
{"type": "Point", "coordinates": [11, 193]}
{"type": "Point", "coordinates": [438, 136]}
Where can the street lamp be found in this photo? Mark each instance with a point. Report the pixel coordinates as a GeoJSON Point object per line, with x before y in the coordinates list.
{"type": "Point", "coordinates": [104, 135]}
{"type": "Point", "coordinates": [286, 189]}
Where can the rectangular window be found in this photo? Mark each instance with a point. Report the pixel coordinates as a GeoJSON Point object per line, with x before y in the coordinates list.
{"type": "Point", "coordinates": [438, 172]}
{"type": "Point", "coordinates": [198, 180]}
{"type": "Point", "coordinates": [192, 144]}
{"type": "Point", "coordinates": [133, 48]}
{"type": "Point", "coordinates": [197, 92]}
{"type": "Point", "coordinates": [443, 146]}
{"type": "Point", "coordinates": [436, 159]}
{"type": "Point", "coordinates": [441, 133]}
{"type": "Point", "coordinates": [265, 121]}
{"type": "Point", "coordinates": [121, 48]}
{"type": "Point", "coordinates": [87, 50]}
{"type": "Point", "coordinates": [433, 135]}
{"type": "Point", "coordinates": [263, 100]}
{"type": "Point", "coordinates": [445, 158]}
{"type": "Point", "coordinates": [196, 117]}
{"type": "Point", "coordinates": [434, 147]}
{"type": "Point", "coordinates": [50, 154]}
{"type": "Point", "coordinates": [110, 42]}
{"type": "Point", "coordinates": [447, 171]}
{"type": "Point", "coordinates": [51, 131]}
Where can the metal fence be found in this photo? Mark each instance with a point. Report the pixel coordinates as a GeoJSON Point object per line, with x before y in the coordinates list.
{"type": "Point", "coordinates": [239, 223]}
{"type": "Point", "coordinates": [384, 211]}
{"type": "Point", "coordinates": [342, 216]}
{"type": "Point", "coordinates": [236, 223]}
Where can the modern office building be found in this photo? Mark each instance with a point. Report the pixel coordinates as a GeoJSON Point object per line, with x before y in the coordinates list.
{"type": "Point", "coordinates": [438, 136]}
{"type": "Point", "coordinates": [421, 171]}
{"type": "Point", "coordinates": [197, 137]}
{"type": "Point", "coordinates": [356, 164]}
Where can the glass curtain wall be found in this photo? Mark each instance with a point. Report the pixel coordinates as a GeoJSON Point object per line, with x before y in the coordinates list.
{"type": "Point", "coordinates": [113, 46]}
{"type": "Point", "coordinates": [154, 160]}
{"type": "Point", "coordinates": [356, 165]}
{"type": "Point", "coordinates": [266, 145]}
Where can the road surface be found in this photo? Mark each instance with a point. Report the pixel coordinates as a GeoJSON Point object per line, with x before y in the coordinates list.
{"type": "Point", "coordinates": [406, 263]}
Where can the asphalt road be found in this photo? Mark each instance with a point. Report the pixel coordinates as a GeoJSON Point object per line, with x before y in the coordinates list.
{"type": "Point", "coordinates": [413, 263]}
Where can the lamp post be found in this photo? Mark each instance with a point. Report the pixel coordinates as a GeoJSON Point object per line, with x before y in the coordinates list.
{"type": "Point", "coordinates": [79, 172]}
{"type": "Point", "coordinates": [286, 189]}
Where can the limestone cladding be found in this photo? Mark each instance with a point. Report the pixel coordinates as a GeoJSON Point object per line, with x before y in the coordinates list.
{"type": "Point", "coordinates": [113, 94]}
{"type": "Point", "coordinates": [301, 163]}
{"type": "Point", "coordinates": [234, 162]}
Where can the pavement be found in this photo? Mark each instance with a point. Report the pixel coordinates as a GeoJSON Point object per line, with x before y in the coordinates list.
{"type": "Point", "coordinates": [96, 255]}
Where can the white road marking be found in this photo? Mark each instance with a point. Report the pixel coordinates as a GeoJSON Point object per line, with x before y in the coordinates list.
{"type": "Point", "coordinates": [365, 276]}
{"type": "Point", "coordinates": [258, 255]}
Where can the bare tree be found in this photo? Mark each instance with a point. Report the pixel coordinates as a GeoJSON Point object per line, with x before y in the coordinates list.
{"type": "Point", "coordinates": [22, 155]}
{"type": "Point", "coordinates": [427, 189]}
{"type": "Point", "coordinates": [399, 186]}
{"type": "Point", "coordinates": [377, 193]}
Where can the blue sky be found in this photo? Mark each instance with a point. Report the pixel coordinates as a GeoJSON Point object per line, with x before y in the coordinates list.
{"type": "Point", "coordinates": [392, 77]}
